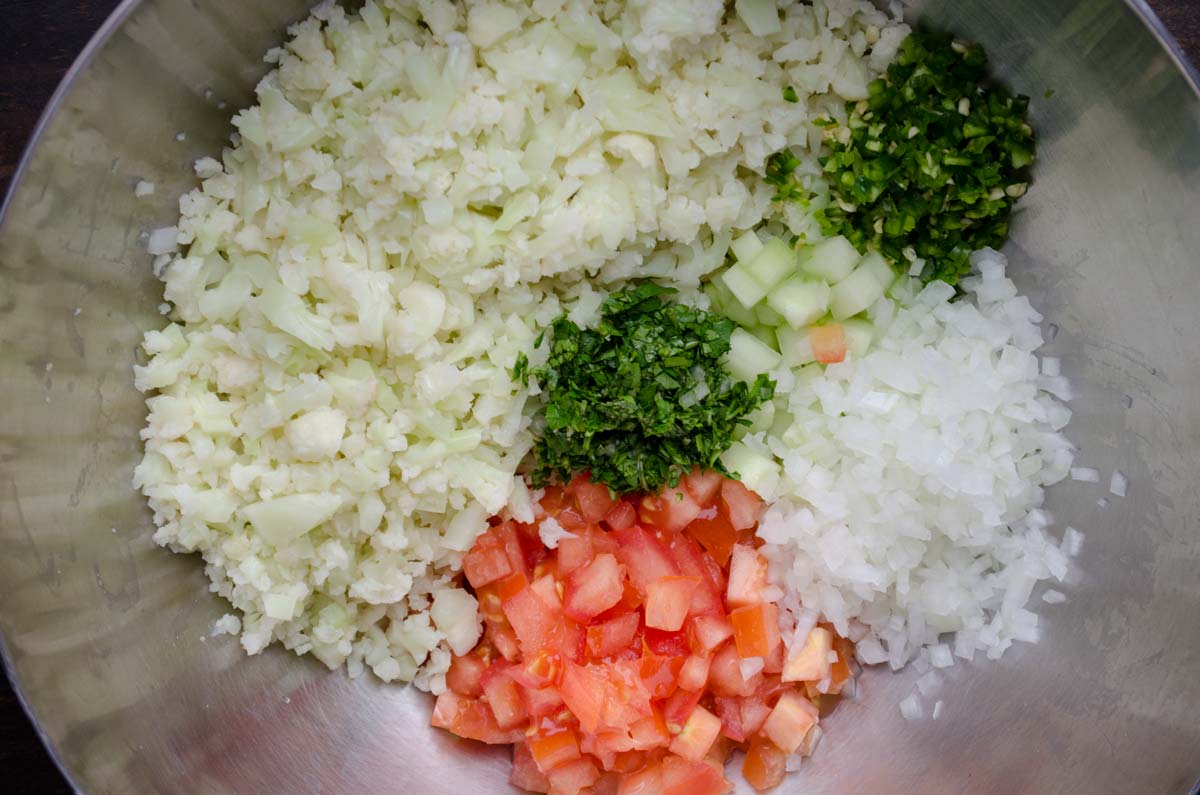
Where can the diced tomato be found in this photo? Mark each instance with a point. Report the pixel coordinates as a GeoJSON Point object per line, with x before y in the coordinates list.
{"type": "Point", "coordinates": [624, 762]}
{"type": "Point", "coordinates": [703, 485]}
{"type": "Point", "coordinates": [610, 696]}
{"type": "Point", "coordinates": [668, 601]}
{"type": "Point", "coordinates": [715, 533]}
{"type": "Point", "coordinates": [678, 707]}
{"type": "Point", "coordinates": [606, 746]}
{"type": "Point", "coordinates": [671, 510]}
{"type": "Point", "coordinates": [730, 712]}
{"type": "Point", "coordinates": [628, 697]}
{"type": "Point", "coordinates": [828, 343]}
{"type": "Point", "coordinates": [709, 632]}
{"type": "Point", "coordinates": [593, 500]}
{"type": "Point", "coordinates": [725, 674]}
{"type": "Point", "coordinates": [790, 721]}
{"type": "Point", "coordinates": [621, 515]}
{"type": "Point", "coordinates": [764, 766]}
{"type": "Point", "coordinates": [535, 622]}
{"type": "Point", "coordinates": [810, 663]}
{"type": "Point", "coordinates": [756, 629]}
{"type": "Point", "coordinates": [471, 720]}
{"type": "Point", "coordinates": [612, 636]}
{"type": "Point", "coordinates": [583, 691]}
{"type": "Point", "coordinates": [742, 505]}
{"type": "Point", "coordinates": [487, 561]}
{"type": "Point", "coordinates": [525, 774]}
{"type": "Point", "coordinates": [684, 777]}
{"type": "Point", "coordinates": [645, 782]}
{"type": "Point", "coordinates": [650, 732]}
{"type": "Point", "coordinates": [594, 588]}
{"type": "Point", "coordinates": [551, 750]}
{"type": "Point", "coordinates": [574, 553]}
{"type": "Point", "coordinates": [671, 644]}
{"type": "Point", "coordinates": [699, 733]}
{"type": "Point", "coordinates": [747, 577]}
{"type": "Point", "coordinates": [466, 673]}
{"type": "Point", "coordinates": [644, 556]}
{"type": "Point", "coordinates": [694, 673]}
{"type": "Point", "coordinates": [840, 672]}
{"type": "Point", "coordinates": [719, 753]}
{"type": "Point", "coordinates": [571, 778]}
{"type": "Point", "coordinates": [754, 713]}
{"type": "Point", "coordinates": [541, 670]}
{"type": "Point", "coordinates": [502, 637]}
{"type": "Point", "coordinates": [503, 697]}
{"type": "Point", "coordinates": [546, 587]}
{"type": "Point", "coordinates": [660, 674]}
{"type": "Point", "coordinates": [707, 599]}
{"type": "Point", "coordinates": [541, 701]}
{"type": "Point", "coordinates": [773, 662]}
{"type": "Point", "coordinates": [572, 640]}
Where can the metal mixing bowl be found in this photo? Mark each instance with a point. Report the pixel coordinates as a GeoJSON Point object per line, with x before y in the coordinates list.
{"type": "Point", "coordinates": [106, 634]}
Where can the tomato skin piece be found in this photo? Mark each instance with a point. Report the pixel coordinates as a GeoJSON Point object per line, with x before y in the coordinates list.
{"type": "Point", "coordinates": [621, 516]}
{"type": "Point", "coordinates": [668, 601]}
{"type": "Point", "coordinates": [616, 634]}
{"type": "Point", "coordinates": [703, 485]}
{"type": "Point", "coordinates": [756, 630]}
{"type": "Point", "coordinates": [553, 749]}
{"type": "Point", "coordinates": [525, 774]}
{"type": "Point", "coordinates": [644, 556]}
{"type": "Point", "coordinates": [725, 674]}
{"type": "Point", "coordinates": [594, 588]}
{"type": "Point", "coordinates": [593, 500]}
{"type": "Point", "coordinates": [742, 505]}
{"type": "Point", "coordinates": [466, 674]}
{"type": "Point", "coordinates": [471, 720]}
{"type": "Point", "coordinates": [764, 765]}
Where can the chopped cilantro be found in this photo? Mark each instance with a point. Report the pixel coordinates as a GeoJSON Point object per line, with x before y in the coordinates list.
{"type": "Point", "coordinates": [641, 399]}
{"type": "Point", "coordinates": [790, 95]}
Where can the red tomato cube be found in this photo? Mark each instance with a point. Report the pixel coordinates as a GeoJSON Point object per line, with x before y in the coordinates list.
{"type": "Point", "coordinates": [668, 601]}
{"type": "Point", "coordinates": [742, 505]}
{"type": "Point", "coordinates": [553, 749]}
{"type": "Point", "coordinates": [647, 781]}
{"type": "Point", "coordinates": [471, 720]}
{"type": "Point", "coordinates": [764, 766]}
{"type": "Point", "coordinates": [525, 774]}
{"type": "Point", "coordinates": [621, 516]}
{"type": "Point", "coordinates": [709, 632]}
{"type": "Point", "coordinates": [594, 588]}
{"type": "Point", "coordinates": [503, 696]}
{"type": "Point", "coordinates": [684, 777]}
{"type": "Point", "coordinates": [535, 622]}
{"type": "Point", "coordinates": [747, 577]}
{"type": "Point", "coordinates": [644, 556]}
{"type": "Point", "coordinates": [465, 674]}
{"type": "Point", "coordinates": [487, 561]}
{"type": "Point", "coordinates": [828, 343]}
{"type": "Point", "coordinates": [715, 533]}
{"type": "Point", "coordinates": [810, 663]}
{"type": "Point", "coordinates": [694, 673]}
{"type": "Point", "coordinates": [790, 721]}
{"type": "Point", "coordinates": [660, 674]}
{"type": "Point", "coordinates": [699, 733]}
{"type": "Point", "coordinates": [725, 674]}
{"type": "Point", "coordinates": [756, 629]}
{"type": "Point", "coordinates": [703, 485]}
{"type": "Point", "coordinates": [593, 500]}
{"type": "Point", "coordinates": [678, 707]}
{"type": "Point", "coordinates": [571, 778]}
{"type": "Point", "coordinates": [612, 636]}
{"type": "Point", "coordinates": [671, 510]}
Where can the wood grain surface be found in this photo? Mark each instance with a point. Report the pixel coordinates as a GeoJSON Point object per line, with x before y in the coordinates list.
{"type": "Point", "coordinates": [39, 40]}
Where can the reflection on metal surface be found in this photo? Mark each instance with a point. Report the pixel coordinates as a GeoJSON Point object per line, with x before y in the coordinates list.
{"type": "Point", "coordinates": [108, 636]}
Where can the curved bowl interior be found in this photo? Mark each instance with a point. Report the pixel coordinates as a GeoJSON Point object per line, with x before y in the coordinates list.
{"type": "Point", "coordinates": [108, 636]}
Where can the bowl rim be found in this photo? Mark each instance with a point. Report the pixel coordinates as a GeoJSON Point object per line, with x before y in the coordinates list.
{"type": "Point", "coordinates": [1141, 8]}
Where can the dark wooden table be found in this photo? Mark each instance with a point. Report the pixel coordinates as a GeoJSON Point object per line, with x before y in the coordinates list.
{"type": "Point", "coordinates": [38, 41]}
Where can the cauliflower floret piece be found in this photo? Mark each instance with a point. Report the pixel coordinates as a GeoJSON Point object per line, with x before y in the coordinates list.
{"type": "Point", "coordinates": [317, 434]}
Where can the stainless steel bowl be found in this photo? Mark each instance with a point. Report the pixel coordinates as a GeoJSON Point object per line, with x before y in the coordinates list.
{"type": "Point", "coordinates": [107, 635]}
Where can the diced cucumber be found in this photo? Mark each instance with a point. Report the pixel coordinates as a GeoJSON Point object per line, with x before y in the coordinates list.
{"type": "Point", "coordinates": [746, 246]}
{"type": "Point", "coordinates": [794, 346]}
{"type": "Point", "coordinates": [831, 260]}
{"type": "Point", "coordinates": [877, 266]}
{"type": "Point", "coordinates": [724, 303]}
{"type": "Point", "coordinates": [758, 472]}
{"type": "Point", "coordinates": [773, 264]}
{"type": "Point", "coordinates": [749, 356]}
{"type": "Point", "coordinates": [760, 16]}
{"type": "Point", "coordinates": [745, 288]}
{"type": "Point", "coordinates": [767, 316]}
{"type": "Point", "coordinates": [859, 335]}
{"type": "Point", "coordinates": [856, 292]}
{"type": "Point", "coordinates": [800, 301]}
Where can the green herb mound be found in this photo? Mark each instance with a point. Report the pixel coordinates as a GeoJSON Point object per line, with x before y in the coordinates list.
{"type": "Point", "coordinates": [933, 161]}
{"type": "Point", "coordinates": [642, 398]}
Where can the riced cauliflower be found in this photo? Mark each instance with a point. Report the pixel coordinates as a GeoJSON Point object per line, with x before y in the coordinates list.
{"type": "Point", "coordinates": [420, 190]}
